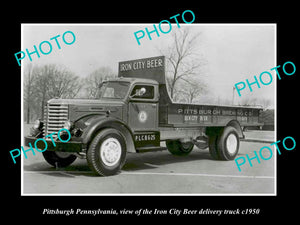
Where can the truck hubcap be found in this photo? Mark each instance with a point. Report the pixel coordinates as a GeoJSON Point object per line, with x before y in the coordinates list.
{"type": "Point", "coordinates": [110, 151]}
{"type": "Point", "coordinates": [231, 143]}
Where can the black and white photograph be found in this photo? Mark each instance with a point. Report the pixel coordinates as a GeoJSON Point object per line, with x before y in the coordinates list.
{"type": "Point", "coordinates": [149, 112]}
{"type": "Point", "coordinates": [145, 109]}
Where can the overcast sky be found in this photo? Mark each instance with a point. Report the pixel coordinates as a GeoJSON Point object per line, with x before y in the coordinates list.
{"type": "Point", "coordinates": [233, 52]}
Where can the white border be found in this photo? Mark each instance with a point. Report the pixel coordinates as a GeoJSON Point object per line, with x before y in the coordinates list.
{"type": "Point", "coordinates": [128, 173]}
{"type": "Point", "coordinates": [22, 113]}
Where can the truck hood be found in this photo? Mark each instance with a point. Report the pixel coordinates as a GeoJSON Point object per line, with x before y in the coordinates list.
{"type": "Point", "coordinates": [85, 108]}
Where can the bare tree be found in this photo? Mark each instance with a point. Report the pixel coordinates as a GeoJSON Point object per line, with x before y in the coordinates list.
{"type": "Point", "coordinates": [189, 91]}
{"type": "Point", "coordinates": [248, 101]}
{"type": "Point", "coordinates": [28, 91]}
{"type": "Point", "coordinates": [55, 81]}
{"type": "Point", "coordinates": [40, 86]}
{"type": "Point", "coordinates": [95, 78]}
{"type": "Point", "coordinates": [266, 103]}
{"type": "Point", "coordinates": [181, 58]}
{"type": "Point", "coordinates": [63, 84]}
{"type": "Point", "coordinates": [46, 82]}
{"type": "Point", "coordinates": [263, 102]}
{"type": "Point", "coordinates": [194, 89]}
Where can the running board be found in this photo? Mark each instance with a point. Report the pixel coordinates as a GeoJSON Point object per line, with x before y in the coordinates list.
{"type": "Point", "coordinates": [150, 149]}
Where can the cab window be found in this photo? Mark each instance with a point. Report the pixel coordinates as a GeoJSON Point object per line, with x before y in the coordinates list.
{"type": "Point", "coordinates": [113, 90]}
{"type": "Point", "coordinates": [149, 93]}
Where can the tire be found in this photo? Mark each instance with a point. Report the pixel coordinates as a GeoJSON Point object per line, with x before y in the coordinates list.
{"type": "Point", "coordinates": [58, 159]}
{"type": "Point", "coordinates": [178, 148]}
{"type": "Point", "coordinates": [228, 143]}
{"type": "Point", "coordinates": [213, 147]}
{"type": "Point", "coordinates": [213, 135]}
{"type": "Point", "coordinates": [107, 152]}
{"type": "Point", "coordinates": [224, 143]}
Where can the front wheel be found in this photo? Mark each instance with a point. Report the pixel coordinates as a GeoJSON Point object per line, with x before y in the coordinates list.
{"type": "Point", "coordinates": [107, 152]}
{"type": "Point", "coordinates": [224, 143]}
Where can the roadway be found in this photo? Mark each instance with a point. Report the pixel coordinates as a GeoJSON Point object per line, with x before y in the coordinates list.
{"type": "Point", "coordinates": [157, 173]}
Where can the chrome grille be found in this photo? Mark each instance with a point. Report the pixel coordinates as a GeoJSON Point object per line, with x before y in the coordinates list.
{"type": "Point", "coordinates": [55, 117]}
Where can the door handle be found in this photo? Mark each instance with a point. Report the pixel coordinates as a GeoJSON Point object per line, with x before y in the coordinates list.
{"type": "Point", "coordinates": [153, 105]}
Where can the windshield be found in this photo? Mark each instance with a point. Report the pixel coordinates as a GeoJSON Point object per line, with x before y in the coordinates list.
{"type": "Point", "coordinates": [113, 90]}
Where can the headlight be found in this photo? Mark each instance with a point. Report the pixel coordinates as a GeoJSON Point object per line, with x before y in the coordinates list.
{"type": "Point", "coordinates": [68, 125]}
{"type": "Point", "coordinates": [38, 124]}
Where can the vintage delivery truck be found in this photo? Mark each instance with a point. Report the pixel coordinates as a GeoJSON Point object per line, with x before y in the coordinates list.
{"type": "Point", "coordinates": [134, 113]}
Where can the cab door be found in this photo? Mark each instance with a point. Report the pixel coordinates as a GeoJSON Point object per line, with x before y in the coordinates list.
{"type": "Point", "coordinates": [143, 108]}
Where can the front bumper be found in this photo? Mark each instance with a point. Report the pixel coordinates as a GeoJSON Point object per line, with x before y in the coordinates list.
{"type": "Point", "coordinates": [70, 146]}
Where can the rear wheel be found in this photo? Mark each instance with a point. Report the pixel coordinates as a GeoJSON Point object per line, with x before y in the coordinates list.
{"type": "Point", "coordinates": [224, 143]}
{"type": "Point", "coordinates": [212, 146]}
{"type": "Point", "coordinates": [179, 148]}
{"type": "Point", "coordinates": [229, 143]}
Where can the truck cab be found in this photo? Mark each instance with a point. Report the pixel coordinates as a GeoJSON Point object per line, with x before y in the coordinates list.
{"type": "Point", "coordinates": [140, 98]}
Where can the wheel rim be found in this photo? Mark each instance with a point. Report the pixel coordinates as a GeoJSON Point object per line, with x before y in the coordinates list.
{"type": "Point", "coordinates": [110, 151]}
{"type": "Point", "coordinates": [186, 146]}
{"type": "Point", "coordinates": [231, 143]}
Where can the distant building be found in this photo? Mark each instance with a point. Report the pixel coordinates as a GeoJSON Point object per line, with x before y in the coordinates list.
{"type": "Point", "coordinates": [267, 117]}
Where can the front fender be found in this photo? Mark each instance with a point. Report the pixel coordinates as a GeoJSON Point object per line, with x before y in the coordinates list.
{"type": "Point", "coordinates": [99, 123]}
